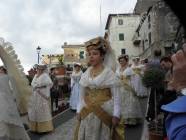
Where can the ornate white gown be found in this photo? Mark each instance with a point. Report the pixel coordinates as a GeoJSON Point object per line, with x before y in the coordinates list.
{"type": "Point", "coordinates": [91, 127]}
{"type": "Point", "coordinates": [11, 126]}
{"type": "Point", "coordinates": [75, 87]}
{"type": "Point", "coordinates": [39, 111]}
{"type": "Point", "coordinates": [130, 110]}
{"type": "Point", "coordinates": [140, 89]}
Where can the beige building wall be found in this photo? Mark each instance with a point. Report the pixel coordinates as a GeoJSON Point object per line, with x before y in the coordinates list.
{"type": "Point", "coordinates": [51, 58]}
{"type": "Point", "coordinates": [127, 28]}
{"type": "Point", "coordinates": [72, 54]}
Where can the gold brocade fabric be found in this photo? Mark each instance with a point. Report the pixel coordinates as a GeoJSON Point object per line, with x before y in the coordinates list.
{"type": "Point", "coordinates": [94, 98]}
{"type": "Point", "coordinates": [127, 86]}
{"type": "Point", "coordinates": [137, 71]}
{"type": "Point", "coordinates": [41, 127]}
{"type": "Point", "coordinates": [118, 133]}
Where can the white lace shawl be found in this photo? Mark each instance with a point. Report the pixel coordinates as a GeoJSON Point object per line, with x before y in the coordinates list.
{"type": "Point", "coordinates": [42, 80]}
{"type": "Point", "coordinates": [106, 79]}
{"type": "Point", "coordinates": [127, 72]}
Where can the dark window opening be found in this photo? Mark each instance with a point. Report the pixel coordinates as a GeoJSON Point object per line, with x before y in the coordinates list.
{"type": "Point", "coordinates": [121, 36]}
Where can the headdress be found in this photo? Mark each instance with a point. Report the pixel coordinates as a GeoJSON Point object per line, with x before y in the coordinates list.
{"type": "Point", "coordinates": [125, 56]}
{"type": "Point", "coordinates": [135, 58]}
{"type": "Point", "coordinates": [109, 57]}
{"type": "Point", "coordinates": [96, 43]}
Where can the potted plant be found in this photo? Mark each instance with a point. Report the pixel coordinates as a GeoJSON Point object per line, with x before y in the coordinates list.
{"type": "Point", "coordinates": [153, 78]}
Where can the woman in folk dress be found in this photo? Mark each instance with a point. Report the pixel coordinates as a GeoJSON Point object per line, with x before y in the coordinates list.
{"type": "Point", "coordinates": [99, 107]}
{"type": "Point", "coordinates": [75, 78]}
{"type": "Point", "coordinates": [138, 69]}
{"type": "Point", "coordinates": [131, 110]}
{"type": "Point", "coordinates": [39, 111]}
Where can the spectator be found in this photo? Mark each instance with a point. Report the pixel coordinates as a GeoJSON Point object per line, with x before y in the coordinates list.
{"type": "Point", "coordinates": [54, 91]}
{"type": "Point", "coordinates": [169, 94]}
{"type": "Point", "coordinates": [176, 119]}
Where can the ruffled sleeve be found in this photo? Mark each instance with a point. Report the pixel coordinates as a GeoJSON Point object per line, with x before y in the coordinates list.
{"type": "Point", "coordinates": [117, 101]}
{"type": "Point", "coordinates": [81, 102]}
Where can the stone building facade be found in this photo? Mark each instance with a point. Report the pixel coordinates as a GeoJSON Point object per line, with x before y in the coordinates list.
{"type": "Point", "coordinates": [119, 30]}
{"type": "Point", "coordinates": [157, 29]}
{"type": "Point", "coordinates": [74, 53]}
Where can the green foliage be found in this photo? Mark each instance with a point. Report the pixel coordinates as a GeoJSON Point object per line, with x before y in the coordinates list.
{"type": "Point", "coordinates": [60, 59]}
{"type": "Point", "coordinates": [153, 78]}
{"type": "Point", "coordinates": [81, 54]}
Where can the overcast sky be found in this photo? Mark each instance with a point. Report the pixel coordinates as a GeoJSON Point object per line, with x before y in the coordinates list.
{"type": "Point", "coordinates": [50, 23]}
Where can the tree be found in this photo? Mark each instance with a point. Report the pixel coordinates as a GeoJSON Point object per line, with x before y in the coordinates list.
{"type": "Point", "coordinates": [60, 59]}
{"type": "Point", "coordinates": [81, 54]}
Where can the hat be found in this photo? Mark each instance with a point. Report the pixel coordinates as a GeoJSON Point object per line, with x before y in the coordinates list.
{"type": "Point", "coordinates": [41, 67]}
{"type": "Point", "coordinates": [77, 64]}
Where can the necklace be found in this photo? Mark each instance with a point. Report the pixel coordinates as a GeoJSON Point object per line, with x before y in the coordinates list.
{"type": "Point", "coordinates": [96, 72]}
{"type": "Point", "coordinates": [123, 68]}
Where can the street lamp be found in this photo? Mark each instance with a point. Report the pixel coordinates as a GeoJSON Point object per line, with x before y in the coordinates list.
{"type": "Point", "coordinates": [38, 52]}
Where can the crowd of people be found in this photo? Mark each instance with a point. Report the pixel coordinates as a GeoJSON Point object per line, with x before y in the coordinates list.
{"type": "Point", "coordinates": [105, 97]}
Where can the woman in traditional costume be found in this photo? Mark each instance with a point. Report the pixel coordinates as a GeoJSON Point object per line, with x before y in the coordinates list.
{"type": "Point", "coordinates": [11, 126]}
{"type": "Point", "coordinates": [39, 112]}
{"type": "Point", "coordinates": [75, 78]}
{"type": "Point", "coordinates": [98, 110]}
{"type": "Point", "coordinates": [131, 110]}
{"type": "Point", "coordinates": [138, 69]}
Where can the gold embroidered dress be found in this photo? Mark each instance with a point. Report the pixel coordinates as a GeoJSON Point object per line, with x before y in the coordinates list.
{"type": "Point", "coordinates": [140, 89]}
{"type": "Point", "coordinates": [99, 101]}
{"type": "Point", "coordinates": [39, 111]}
{"type": "Point", "coordinates": [130, 110]}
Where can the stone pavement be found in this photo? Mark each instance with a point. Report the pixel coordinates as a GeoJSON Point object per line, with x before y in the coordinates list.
{"type": "Point", "coordinates": [63, 132]}
{"type": "Point", "coordinates": [66, 130]}
{"type": "Point", "coordinates": [64, 123]}
{"type": "Point", "coordinates": [145, 134]}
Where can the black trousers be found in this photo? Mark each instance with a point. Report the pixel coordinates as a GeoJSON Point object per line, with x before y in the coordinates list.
{"type": "Point", "coordinates": [155, 94]}
{"type": "Point", "coordinates": [54, 99]}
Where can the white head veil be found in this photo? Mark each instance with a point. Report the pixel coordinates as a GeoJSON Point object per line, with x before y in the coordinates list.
{"type": "Point", "coordinates": [110, 58]}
